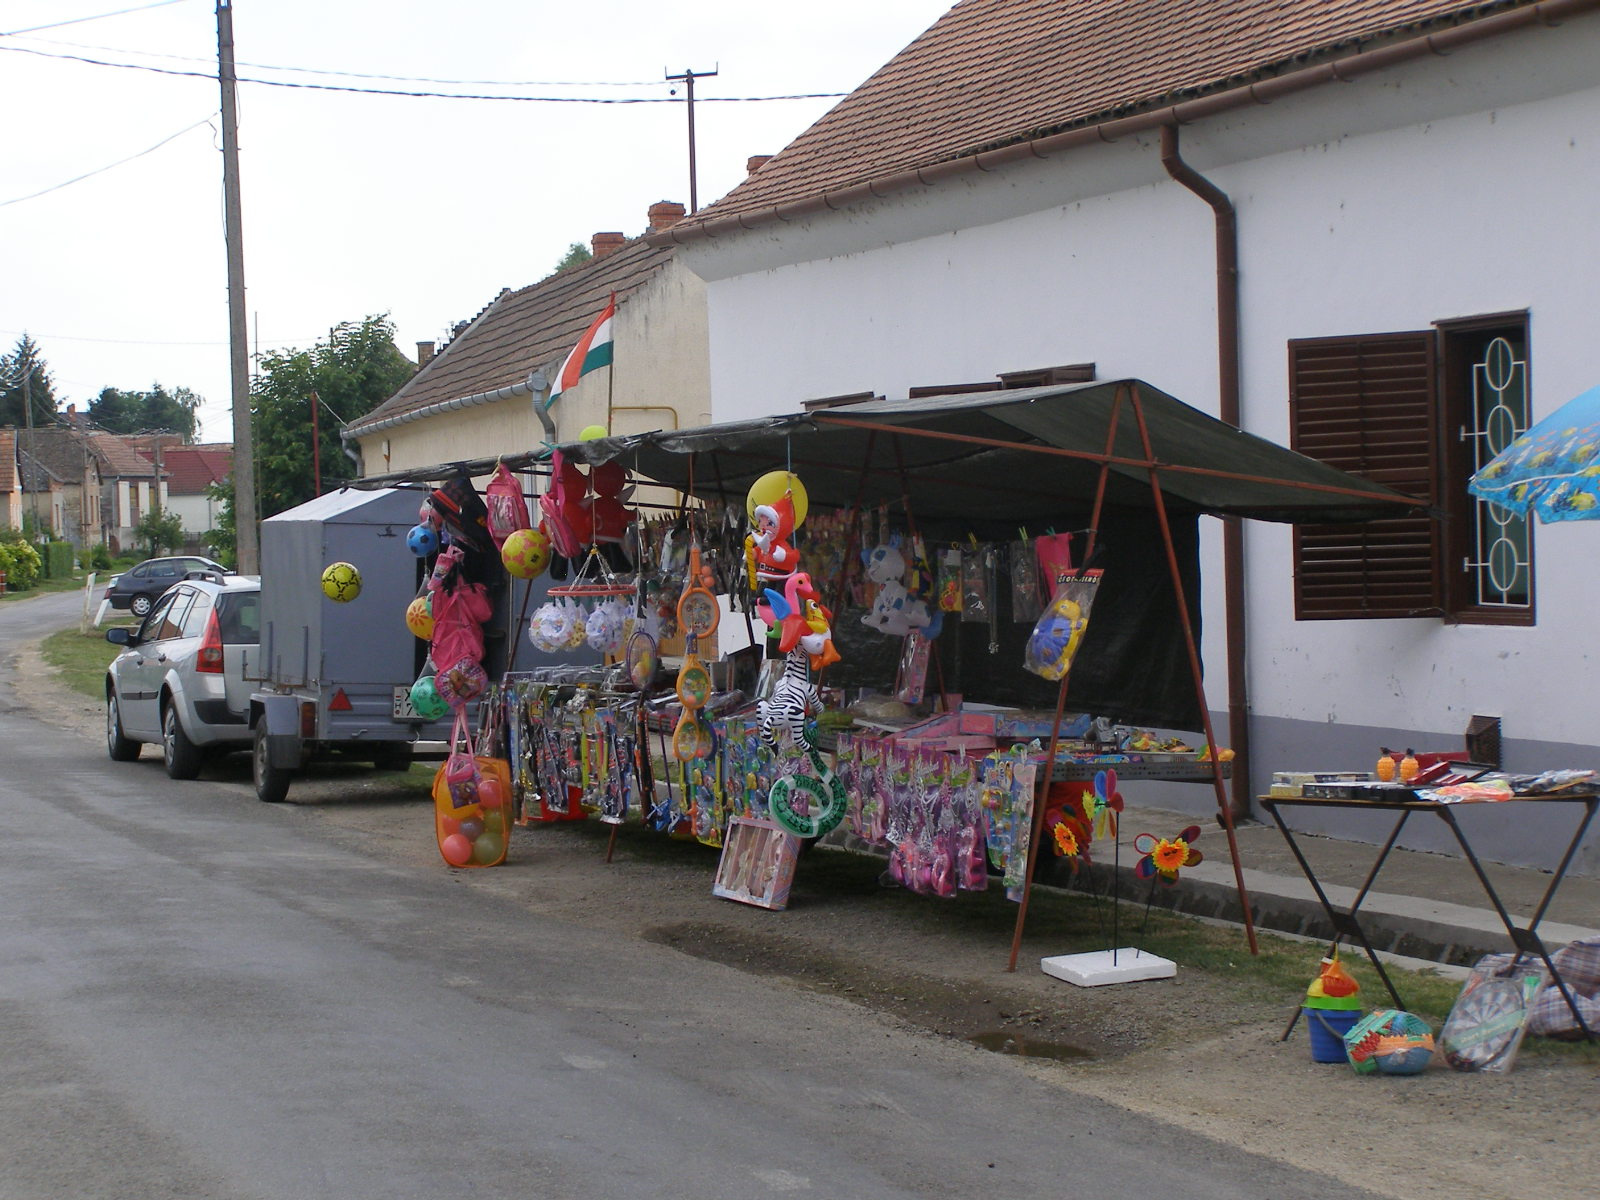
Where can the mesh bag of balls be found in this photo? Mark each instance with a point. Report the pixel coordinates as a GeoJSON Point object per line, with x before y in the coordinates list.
{"type": "Point", "coordinates": [471, 814]}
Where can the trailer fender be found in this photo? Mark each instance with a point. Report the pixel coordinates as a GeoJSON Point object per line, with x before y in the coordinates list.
{"type": "Point", "coordinates": [281, 716]}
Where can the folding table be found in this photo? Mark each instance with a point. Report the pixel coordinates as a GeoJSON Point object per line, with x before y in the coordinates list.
{"type": "Point", "coordinates": [1345, 922]}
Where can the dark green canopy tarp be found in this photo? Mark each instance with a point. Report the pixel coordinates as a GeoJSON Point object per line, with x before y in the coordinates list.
{"type": "Point", "coordinates": [983, 460]}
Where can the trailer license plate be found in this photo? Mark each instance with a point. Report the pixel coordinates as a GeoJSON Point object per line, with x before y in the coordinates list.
{"type": "Point", "coordinates": [402, 706]}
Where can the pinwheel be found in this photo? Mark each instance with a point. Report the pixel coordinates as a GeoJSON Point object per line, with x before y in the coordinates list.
{"type": "Point", "coordinates": [1165, 857]}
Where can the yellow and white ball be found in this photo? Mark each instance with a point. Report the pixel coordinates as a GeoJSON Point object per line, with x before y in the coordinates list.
{"type": "Point", "coordinates": [526, 553]}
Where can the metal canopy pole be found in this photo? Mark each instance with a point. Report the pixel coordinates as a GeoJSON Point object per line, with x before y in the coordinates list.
{"type": "Point", "coordinates": [1041, 790]}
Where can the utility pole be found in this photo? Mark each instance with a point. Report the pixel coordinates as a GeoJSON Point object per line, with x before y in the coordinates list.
{"type": "Point", "coordinates": [244, 463]}
{"type": "Point", "coordinates": [687, 79]}
{"type": "Point", "coordinates": [33, 459]}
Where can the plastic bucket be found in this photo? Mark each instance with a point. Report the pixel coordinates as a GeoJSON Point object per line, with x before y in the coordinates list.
{"type": "Point", "coordinates": [1328, 1027]}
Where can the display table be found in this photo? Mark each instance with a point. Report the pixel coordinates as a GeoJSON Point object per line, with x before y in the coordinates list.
{"type": "Point", "coordinates": [1525, 939]}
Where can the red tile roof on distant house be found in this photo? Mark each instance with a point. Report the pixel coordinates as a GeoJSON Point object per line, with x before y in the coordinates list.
{"type": "Point", "coordinates": [521, 330]}
{"type": "Point", "coordinates": [1003, 73]}
{"type": "Point", "coordinates": [192, 469]}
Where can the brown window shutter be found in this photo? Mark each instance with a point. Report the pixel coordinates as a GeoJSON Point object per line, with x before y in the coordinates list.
{"type": "Point", "coordinates": [1366, 405]}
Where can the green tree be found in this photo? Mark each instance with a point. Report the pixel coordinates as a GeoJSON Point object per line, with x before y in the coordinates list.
{"type": "Point", "coordinates": [347, 376]}
{"type": "Point", "coordinates": [158, 530]}
{"type": "Point", "coordinates": [141, 412]}
{"type": "Point", "coordinates": [24, 363]}
{"type": "Point", "coordinates": [224, 539]}
{"type": "Point", "coordinates": [577, 254]}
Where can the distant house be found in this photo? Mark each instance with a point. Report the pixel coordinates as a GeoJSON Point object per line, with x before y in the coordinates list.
{"type": "Point", "coordinates": [130, 485]}
{"type": "Point", "coordinates": [483, 393]}
{"type": "Point", "coordinates": [191, 471]}
{"type": "Point", "coordinates": [10, 495]}
{"type": "Point", "coordinates": [67, 454]}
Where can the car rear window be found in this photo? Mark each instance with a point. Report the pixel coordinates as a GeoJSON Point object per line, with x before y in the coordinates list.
{"type": "Point", "coordinates": [239, 614]}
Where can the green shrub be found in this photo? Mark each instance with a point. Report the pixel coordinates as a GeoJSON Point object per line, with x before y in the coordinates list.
{"type": "Point", "coordinates": [100, 558]}
{"type": "Point", "coordinates": [19, 561]}
{"type": "Point", "coordinates": [58, 560]}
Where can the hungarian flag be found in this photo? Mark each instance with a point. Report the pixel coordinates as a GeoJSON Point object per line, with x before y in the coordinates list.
{"type": "Point", "coordinates": [592, 352]}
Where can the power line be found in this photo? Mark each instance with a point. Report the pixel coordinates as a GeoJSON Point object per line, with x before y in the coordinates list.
{"type": "Point", "coordinates": [101, 170]}
{"type": "Point", "coordinates": [332, 87]}
{"type": "Point", "coordinates": [98, 17]}
{"type": "Point", "coordinates": [367, 75]}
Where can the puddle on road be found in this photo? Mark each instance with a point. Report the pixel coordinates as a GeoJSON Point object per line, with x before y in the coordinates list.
{"type": "Point", "coordinates": [1003, 1042]}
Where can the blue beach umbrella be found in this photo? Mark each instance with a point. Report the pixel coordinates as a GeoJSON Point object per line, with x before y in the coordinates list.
{"type": "Point", "coordinates": [1553, 469]}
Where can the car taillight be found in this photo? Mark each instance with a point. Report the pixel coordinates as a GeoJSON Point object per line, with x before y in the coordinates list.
{"type": "Point", "coordinates": [209, 660]}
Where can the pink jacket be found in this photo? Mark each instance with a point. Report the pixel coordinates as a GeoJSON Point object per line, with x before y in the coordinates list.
{"type": "Point", "coordinates": [458, 617]}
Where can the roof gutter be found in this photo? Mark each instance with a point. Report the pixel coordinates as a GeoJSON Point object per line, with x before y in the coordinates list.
{"type": "Point", "coordinates": [1342, 70]}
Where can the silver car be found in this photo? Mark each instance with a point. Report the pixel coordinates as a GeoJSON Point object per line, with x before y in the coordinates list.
{"type": "Point", "coordinates": [180, 679]}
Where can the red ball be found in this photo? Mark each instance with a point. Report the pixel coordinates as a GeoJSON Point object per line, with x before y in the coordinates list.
{"type": "Point", "coordinates": [489, 792]}
{"type": "Point", "coordinates": [456, 849]}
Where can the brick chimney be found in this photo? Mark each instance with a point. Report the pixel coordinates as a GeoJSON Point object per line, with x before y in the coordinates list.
{"type": "Point", "coordinates": [424, 353]}
{"type": "Point", "coordinates": [755, 162]}
{"type": "Point", "coordinates": [602, 244]}
{"type": "Point", "coordinates": [664, 214]}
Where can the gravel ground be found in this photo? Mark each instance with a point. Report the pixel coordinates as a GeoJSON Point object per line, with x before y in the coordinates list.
{"type": "Point", "coordinates": [1198, 1051]}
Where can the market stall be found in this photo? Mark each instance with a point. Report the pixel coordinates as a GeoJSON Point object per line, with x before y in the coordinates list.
{"type": "Point", "coordinates": [1123, 470]}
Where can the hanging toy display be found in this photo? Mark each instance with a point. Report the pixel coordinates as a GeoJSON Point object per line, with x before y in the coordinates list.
{"type": "Point", "coordinates": [419, 617]}
{"type": "Point", "coordinates": [605, 626]}
{"type": "Point", "coordinates": [698, 615]}
{"type": "Point", "coordinates": [426, 701]}
{"type": "Point", "coordinates": [807, 805]}
{"type": "Point", "coordinates": [341, 582]}
{"type": "Point", "coordinates": [526, 553]}
{"type": "Point", "coordinates": [551, 626]}
{"type": "Point", "coordinates": [423, 540]}
{"type": "Point", "coordinates": [896, 610]}
{"type": "Point", "coordinates": [776, 505]}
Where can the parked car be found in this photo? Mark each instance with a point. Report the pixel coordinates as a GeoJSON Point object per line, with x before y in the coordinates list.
{"type": "Point", "coordinates": [180, 679]}
{"type": "Point", "coordinates": [138, 588]}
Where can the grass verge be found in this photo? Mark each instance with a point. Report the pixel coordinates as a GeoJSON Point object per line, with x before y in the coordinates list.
{"type": "Point", "coordinates": [80, 659]}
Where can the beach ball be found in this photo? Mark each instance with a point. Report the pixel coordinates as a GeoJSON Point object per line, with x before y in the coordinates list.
{"type": "Point", "coordinates": [341, 581]}
{"type": "Point", "coordinates": [526, 553]}
{"type": "Point", "coordinates": [419, 617]}
{"type": "Point", "coordinates": [457, 851]}
{"type": "Point", "coordinates": [423, 540]}
{"type": "Point", "coordinates": [769, 489]}
{"type": "Point", "coordinates": [425, 698]}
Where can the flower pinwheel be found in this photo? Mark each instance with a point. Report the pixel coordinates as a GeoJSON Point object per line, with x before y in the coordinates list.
{"type": "Point", "coordinates": [1165, 857]}
{"type": "Point", "coordinates": [1105, 804]}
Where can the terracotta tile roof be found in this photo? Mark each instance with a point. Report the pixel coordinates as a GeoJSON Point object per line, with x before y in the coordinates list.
{"type": "Point", "coordinates": [8, 460]}
{"type": "Point", "coordinates": [992, 73]}
{"type": "Point", "coordinates": [62, 450]}
{"type": "Point", "coordinates": [192, 469]}
{"type": "Point", "coordinates": [521, 330]}
{"type": "Point", "coordinates": [118, 459]}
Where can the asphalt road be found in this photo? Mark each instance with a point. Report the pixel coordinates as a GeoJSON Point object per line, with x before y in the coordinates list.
{"type": "Point", "coordinates": [202, 997]}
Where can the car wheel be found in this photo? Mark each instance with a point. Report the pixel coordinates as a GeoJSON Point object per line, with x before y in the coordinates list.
{"type": "Point", "coordinates": [140, 606]}
{"type": "Point", "coordinates": [120, 747]}
{"type": "Point", "coordinates": [182, 756]}
{"type": "Point", "coordinates": [272, 783]}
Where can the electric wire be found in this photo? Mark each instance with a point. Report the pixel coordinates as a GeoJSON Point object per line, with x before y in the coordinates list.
{"type": "Point", "coordinates": [426, 95]}
{"type": "Point", "coordinates": [101, 170]}
{"type": "Point", "coordinates": [97, 17]}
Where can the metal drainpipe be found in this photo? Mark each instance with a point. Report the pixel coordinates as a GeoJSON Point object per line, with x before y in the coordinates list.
{"type": "Point", "coordinates": [1228, 410]}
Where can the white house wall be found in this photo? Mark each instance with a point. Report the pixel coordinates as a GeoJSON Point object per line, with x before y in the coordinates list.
{"type": "Point", "coordinates": [661, 381]}
{"type": "Point", "coordinates": [1462, 212]}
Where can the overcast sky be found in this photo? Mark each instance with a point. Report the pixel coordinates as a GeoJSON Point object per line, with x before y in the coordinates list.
{"type": "Point", "coordinates": [360, 204]}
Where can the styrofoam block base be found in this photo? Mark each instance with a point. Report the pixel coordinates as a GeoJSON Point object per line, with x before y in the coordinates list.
{"type": "Point", "coordinates": [1109, 966]}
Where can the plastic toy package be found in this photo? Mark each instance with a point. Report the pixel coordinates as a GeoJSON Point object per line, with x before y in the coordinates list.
{"type": "Point", "coordinates": [1059, 632]}
{"type": "Point", "coordinates": [1489, 1019]}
